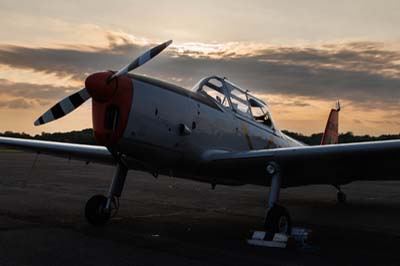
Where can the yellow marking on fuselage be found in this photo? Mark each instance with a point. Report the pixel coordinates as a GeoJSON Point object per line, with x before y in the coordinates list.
{"type": "Point", "coordinates": [246, 134]}
{"type": "Point", "coordinates": [270, 144]}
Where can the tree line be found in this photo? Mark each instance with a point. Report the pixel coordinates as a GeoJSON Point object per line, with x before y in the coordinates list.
{"type": "Point", "coordinates": [348, 137]}
{"type": "Point", "coordinates": [82, 137]}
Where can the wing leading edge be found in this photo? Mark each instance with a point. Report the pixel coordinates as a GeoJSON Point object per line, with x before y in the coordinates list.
{"type": "Point", "coordinates": [82, 152]}
{"type": "Point", "coordinates": [330, 164]}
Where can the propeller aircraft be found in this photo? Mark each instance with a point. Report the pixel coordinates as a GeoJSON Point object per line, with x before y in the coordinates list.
{"type": "Point", "coordinates": [216, 132]}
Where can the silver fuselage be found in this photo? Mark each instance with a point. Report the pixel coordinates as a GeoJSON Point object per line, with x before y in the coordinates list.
{"type": "Point", "coordinates": [171, 129]}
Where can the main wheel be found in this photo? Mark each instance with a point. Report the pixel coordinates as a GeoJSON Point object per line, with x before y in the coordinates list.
{"type": "Point", "coordinates": [95, 211]}
{"type": "Point", "coordinates": [278, 220]}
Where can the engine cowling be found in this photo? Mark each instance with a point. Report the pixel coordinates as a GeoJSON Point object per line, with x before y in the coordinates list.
{"type": "Point", "coordinates": [111, 106]}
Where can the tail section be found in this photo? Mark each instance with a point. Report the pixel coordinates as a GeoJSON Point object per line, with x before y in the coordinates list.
{"type": "Point", "coordinates": [331, 133]}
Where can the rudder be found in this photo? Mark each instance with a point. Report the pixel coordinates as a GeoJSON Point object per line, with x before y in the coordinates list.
{"type": "Point", "coordinates": [331, 133]}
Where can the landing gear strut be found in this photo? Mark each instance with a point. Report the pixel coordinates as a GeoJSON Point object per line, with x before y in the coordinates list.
{"type": "Point", "coordinates": [277, 219]}
{"type": "Point", "coordinates": [99, 209]}
{"type": "Point", "coordinates": [341, 196]}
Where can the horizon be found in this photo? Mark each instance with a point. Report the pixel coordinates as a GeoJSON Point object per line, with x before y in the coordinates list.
{"type": "Point", "coordinates": [283, 130]}
{"type": "Point", "coordinates": [298, 58]}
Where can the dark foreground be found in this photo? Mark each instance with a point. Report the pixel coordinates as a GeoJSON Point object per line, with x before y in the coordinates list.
{"type": "Point", "coordinates": [168, 221]}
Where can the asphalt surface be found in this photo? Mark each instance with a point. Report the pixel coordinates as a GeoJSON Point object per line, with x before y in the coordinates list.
{"type": "Point", "coordinates": [169, 221]}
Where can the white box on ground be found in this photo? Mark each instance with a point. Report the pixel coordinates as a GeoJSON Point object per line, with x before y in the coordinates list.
{"type": "Point", "coordinates": [302, 235]}
{"type": "Point", "coordinates": [259, 235]}
{"type": "Point", "coordinates": [279, 237]}
{"type": "Point", "coordinates": [265, 243]}
{"type": "Point", "coordinates": [280, 240]}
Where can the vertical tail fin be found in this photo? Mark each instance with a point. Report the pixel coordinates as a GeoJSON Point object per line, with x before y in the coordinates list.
{"type": "Point", "coordinates": [331, 133]}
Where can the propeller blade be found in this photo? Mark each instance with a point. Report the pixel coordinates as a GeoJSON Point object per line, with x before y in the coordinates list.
{"type": "Point", "coordinates": [150, 54]}
{"type": "Point", "coordinates": [64, 107]}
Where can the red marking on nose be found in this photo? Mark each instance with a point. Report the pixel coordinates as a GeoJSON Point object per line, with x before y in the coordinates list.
{"type": "Point", "coordinates": [99, 88]}
{"type": "Point", "coordinates": [111, 106]}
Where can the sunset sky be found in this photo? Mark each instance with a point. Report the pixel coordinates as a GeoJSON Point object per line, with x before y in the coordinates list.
{"type": "Point", "coordinates": [299, 56]}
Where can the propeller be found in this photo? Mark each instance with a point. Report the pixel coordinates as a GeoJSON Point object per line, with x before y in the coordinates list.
{"type": "Point", "coordinates": [70, 103]}
{"type": "Point", "coordinates": [65, 106]}
{"type": "Point", "coordinates": [150, 54]}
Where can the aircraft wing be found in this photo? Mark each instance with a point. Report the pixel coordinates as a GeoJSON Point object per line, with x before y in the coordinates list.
{"type": "Point", "coordinates": [89, 153]}
{"type": "Point", "coordinates": [326, 164]}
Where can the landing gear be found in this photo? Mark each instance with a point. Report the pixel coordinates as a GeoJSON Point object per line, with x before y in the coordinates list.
{"type": "Point", "coordinates": [96, 212]}
{"type": "Point", "coordinates": [277, 219]}
{"type": "Point", "coordinates": [99, 209]}
{"type": "Point", "coordinates": [341, 196]}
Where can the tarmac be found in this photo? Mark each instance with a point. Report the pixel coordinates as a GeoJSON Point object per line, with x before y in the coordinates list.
{"type": "Point", "coordinates": [170, 221]}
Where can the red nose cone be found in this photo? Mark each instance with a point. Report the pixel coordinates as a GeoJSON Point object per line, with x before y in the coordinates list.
{"type": "Point", "coordinates": [99, 88]}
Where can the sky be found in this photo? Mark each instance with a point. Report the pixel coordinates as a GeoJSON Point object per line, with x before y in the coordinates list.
{"type": "Point", "coordinates": [299, 56]}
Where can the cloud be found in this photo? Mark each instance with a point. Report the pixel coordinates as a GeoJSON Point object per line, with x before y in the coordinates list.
{"type": "Point", "coordinates": [33, 91]}
{"type": "Point", "coordinates": [364, 73]}
{"type": "Point", "coordinates": [70, 61]}
{"type": "Point", "coordinates": [289, 103]}
{"type": "Point", "coordinates": [18, 103]}
{"type": "Point", "coordinates": [385, 122]}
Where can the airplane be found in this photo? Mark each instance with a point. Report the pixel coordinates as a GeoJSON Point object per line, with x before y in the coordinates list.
{"type": "Point", "coordinates": [215, 132]}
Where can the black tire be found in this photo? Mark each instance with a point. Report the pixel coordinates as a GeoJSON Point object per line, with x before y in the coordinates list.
{"type": "Point", "coordinates": [341, 197]}
{"type": "Point", "coordinates": [95, 210]}
{"type": "Point", "coordinates": [278, 220]}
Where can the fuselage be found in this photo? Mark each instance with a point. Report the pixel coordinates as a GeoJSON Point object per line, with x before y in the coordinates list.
{"type": "Point", "coordinates": [170, 129]}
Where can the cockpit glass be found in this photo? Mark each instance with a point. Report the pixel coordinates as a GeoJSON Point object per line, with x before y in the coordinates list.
{"type": "Point", "coordinates": [233, 97]}
{"type": "Point", "coordinates": [239, 102]}
{"type": "Point", "coordinates": [257, 111]}
{"type": "Point", "coordinates": [214, 89]}
{"type": "Point", "coordinates": [260, 112]}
